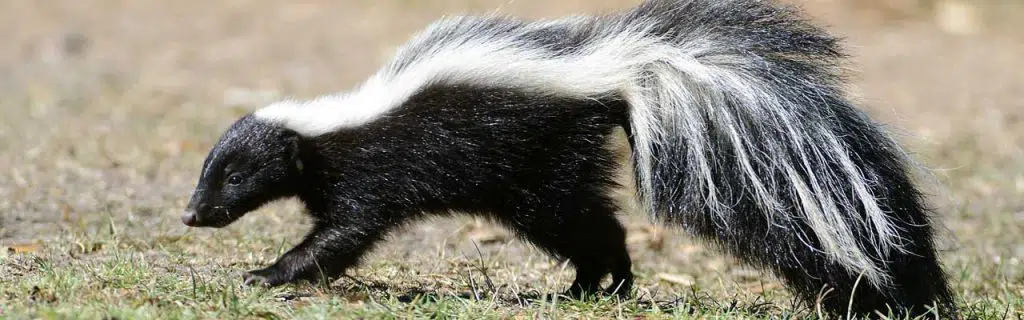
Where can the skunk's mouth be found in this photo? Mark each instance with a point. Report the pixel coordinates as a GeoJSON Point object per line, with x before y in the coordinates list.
{"type": "Point", "coordinates": [217, 218]}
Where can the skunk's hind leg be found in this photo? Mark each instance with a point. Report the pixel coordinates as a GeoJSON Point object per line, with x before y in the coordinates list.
{"type": "Point", "coordinates": [589, 236]}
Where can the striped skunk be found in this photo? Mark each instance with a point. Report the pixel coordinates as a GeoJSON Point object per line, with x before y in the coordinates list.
{"type": "Point", "coordinates": [737, 122]}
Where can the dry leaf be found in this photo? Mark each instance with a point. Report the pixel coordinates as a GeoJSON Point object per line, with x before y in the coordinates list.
{"type": "Point", "coordinates": [680, 279]}
{"type": "Point", "coordinates": [23, 248]}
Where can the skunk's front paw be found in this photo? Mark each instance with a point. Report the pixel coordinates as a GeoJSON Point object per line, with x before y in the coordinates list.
{"type": "Point", "coordinates": [268, 277]}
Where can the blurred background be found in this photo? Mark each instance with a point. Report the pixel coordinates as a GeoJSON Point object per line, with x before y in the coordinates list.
{"type": "Point", "coordinates": [108, 107]}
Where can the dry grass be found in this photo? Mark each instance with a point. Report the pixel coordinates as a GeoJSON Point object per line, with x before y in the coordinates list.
{"type": "Point", "coordinates": [108, 108]}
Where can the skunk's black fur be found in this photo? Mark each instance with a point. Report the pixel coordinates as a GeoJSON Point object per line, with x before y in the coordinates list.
{"type": "Point", "coordinates": [780, 171]}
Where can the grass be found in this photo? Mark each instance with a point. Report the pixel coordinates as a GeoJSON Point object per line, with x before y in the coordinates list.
{"type": "Point", "coordinates": [106, 276]}
{"type": "Point", "coordinates": [106, 112]}
{"type": "Point", "coordinates": [126, 282]}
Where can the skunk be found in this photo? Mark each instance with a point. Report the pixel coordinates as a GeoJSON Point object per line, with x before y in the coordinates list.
{"type": "Point", "coordinates": [739, 131]}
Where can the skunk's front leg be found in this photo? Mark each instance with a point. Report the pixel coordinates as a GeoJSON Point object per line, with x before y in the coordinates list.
{"type": "Point", "coordinates": [323, 255]}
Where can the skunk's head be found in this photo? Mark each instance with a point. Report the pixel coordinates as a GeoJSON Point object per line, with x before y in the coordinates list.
{"type": "Point", "coordinates": [253, 163]}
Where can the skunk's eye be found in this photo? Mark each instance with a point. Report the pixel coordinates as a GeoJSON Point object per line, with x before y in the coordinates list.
{"type": "Point", "coordinates": [234, 179]}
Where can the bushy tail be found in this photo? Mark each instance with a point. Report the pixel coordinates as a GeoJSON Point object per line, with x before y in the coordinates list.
{"type": "Point", "coordinates": [741, 133]}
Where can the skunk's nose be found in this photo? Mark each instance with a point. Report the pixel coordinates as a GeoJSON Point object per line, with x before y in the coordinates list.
{"type": "Point", "coordinates": [189, 218]}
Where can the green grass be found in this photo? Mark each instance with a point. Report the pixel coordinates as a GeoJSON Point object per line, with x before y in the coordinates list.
{"type": "Point", "coordinates": [96, 271]}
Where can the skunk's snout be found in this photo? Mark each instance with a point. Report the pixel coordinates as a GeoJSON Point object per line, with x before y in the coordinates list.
{"type": "Point", "coordinates": [191, 216]}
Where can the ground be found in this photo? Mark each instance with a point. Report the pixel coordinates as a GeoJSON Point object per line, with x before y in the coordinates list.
{"type": "Point", "coordinates": [107, 109]}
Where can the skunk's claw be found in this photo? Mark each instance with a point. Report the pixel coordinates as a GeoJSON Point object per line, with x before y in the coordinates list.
{"type": "Point", "coordinates": [262, 278]}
